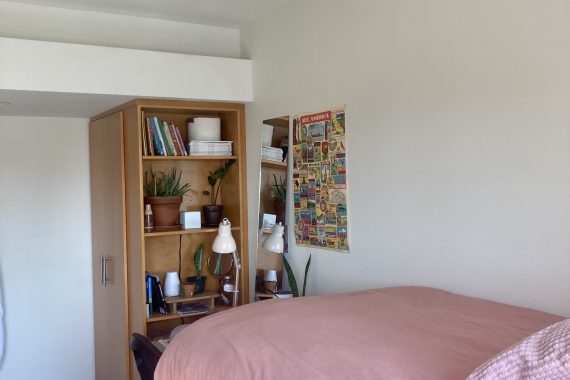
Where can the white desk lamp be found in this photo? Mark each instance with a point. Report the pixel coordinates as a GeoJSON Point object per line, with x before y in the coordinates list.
{"type": "Point", "coordinates": [225, 243]}
{"type": "Point", "coordinates": [274, 242]}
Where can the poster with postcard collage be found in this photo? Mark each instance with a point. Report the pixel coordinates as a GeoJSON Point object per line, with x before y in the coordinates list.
{"type": "Point", "coordinates": [319, 180]}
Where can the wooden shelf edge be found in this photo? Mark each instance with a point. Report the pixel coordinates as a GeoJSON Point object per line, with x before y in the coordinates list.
{"type": "Point", "coordinates": [187, 158]}
{"type": "Point", "coordinates": [207, 230]}
{"type": "Point", "coordinates": [198, 297]}
{"type": "Point", "coordinates": [273, 164]}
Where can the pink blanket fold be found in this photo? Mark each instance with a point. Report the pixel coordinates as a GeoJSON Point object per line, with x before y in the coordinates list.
{"type": "Point", "coordinates": [390, 333]}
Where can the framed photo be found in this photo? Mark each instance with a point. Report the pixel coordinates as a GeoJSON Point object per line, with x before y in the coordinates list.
{"type": "Point", "coordinates": [268, 221]}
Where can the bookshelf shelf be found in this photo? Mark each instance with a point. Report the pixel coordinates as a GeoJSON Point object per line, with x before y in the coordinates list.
{"type": "Point", "coordinates": [173, 301]}
{"type": "Point", "coordinates": [273, 164]}
{"type": "Point", "coordinates": [187, 158]}
{"type": "Point", "coordinates": [186, 232]}
{"type": "Point", "coordinates": [198, 297]}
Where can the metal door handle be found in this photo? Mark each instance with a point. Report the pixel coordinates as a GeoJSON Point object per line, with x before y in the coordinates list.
{"type": "Point", "coordinates": [105, 270]}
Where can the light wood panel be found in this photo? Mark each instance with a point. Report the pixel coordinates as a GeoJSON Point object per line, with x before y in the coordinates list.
{"type": "Point", "coordinates": [135, 241]}
{"type": "Point", "coordinates": [109, 240]}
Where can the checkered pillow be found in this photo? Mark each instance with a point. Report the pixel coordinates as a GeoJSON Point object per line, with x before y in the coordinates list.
{"type": "Point", "coordinates": [543, 355]}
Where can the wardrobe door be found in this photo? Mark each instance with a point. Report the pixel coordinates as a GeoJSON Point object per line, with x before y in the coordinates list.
{"type": "Point", "coordinates": [109, 248]}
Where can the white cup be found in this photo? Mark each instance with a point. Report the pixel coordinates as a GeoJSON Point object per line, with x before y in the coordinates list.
{"type": "Point", "coordinates": [270, 275]}
{"type": "Point", "coordinates": [171, 284]}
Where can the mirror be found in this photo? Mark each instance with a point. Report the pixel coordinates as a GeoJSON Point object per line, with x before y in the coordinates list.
{"type": "Point", "coordinates": [272, 202]}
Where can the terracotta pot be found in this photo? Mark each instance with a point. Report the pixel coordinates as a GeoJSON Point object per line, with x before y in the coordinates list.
{"type": "Point", "coordinates": [188, 289]}
{"type": "Point", "coordinates": [279, 206]}
{"type": "Point", "coordinates": [165, 211]}
{"type": "Point", "coordinates": [212, 215]}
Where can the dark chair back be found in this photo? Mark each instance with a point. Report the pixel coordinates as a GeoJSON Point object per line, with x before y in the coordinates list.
{"type": "Point", "coordinates": [146, 355]}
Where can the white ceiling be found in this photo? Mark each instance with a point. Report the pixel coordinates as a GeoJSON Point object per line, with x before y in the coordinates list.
{"type": "Point", "coordinates": [229, 13]}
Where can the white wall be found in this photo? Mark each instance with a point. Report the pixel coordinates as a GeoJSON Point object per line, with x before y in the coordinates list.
{"type": "Point", "coordinates": [458, 138]}
{"type": "Point", "coordinates": [45, 249]}
{"type": "Point", "coordinates": [38, 22]}
{"type": "Point", "coordinates": [42, 66]}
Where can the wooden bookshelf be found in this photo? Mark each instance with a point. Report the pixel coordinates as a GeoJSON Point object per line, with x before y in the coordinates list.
{"type": "Point", "coordinates": [160, 251]}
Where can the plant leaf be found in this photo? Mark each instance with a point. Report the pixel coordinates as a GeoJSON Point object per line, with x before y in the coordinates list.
{"type": "Point", "coordinates": [291, 277]}
{"type": "Point", "coordinates": [218, 268]}
{"type": "Point", "coordinates": [198, 258]}
{"type": "Point", "coordinates": [306, 272]}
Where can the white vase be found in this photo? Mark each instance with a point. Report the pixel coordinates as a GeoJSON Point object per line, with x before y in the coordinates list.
{"type": "Point", "coordinates": [171, 284]}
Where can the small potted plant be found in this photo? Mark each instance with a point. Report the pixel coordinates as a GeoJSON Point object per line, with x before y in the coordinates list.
{"type": "Point", "coordinates": [199, 280]}
{"type": "Point", "coordinates": [279, 196]}
{"type": "Point", "coordinates": [213, 211]}
{"type": "Point", "coordinates": [164, 193]}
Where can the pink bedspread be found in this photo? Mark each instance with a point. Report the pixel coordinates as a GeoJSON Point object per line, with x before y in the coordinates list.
{"type": "Point", "coordinates": [390, 333]}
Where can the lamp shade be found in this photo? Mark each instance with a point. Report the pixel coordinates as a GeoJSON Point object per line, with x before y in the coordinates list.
{"type": "Point", "coordinates": [274, 242]}
{"type": "Point", "coordinates": [224, 241]}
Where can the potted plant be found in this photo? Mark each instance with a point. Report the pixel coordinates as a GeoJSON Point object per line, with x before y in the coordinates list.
{"type": "Point", "coordinates": [213, 211]}
{"type": "Point", "coordinates": [279, 196]}
{"type": "Point", "coordinates": [164, 193]}
{"type": "Point", "coordinates": [199, 280]}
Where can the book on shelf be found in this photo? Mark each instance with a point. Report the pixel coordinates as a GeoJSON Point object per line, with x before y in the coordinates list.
{"type": "Point", "coordinates": [148, 296]}
{"type": "Point", "coordinates": [167, 143]}
{"type": "Point", "coordinates": [158, 143]}
{"type": "Point", "coordinates": [144, 137]}
{"type": "Point", "coordinates": [162, 138]}
{"type": "Point", "coordinates": [189, 309]}
{"type": "Point", "coordinates": [154, 295]}
{"type": "Point", "coordinates": [149, 136]}
{"type": "Point", "coordinates": [178, 144]}
{"type": "Point", "coordinates": [181, 141]}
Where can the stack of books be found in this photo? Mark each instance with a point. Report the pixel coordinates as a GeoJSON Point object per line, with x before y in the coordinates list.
{"type": "Point", "coordinates": [161, 138]}
{"type": "Point", "coordinates": [271, 154]}
{"type": "Point", "coordinates": [189, 309]}
{"type": "Point", "coordinates": [210, 148]}
{"type": "Point", "coordinates": [155, 301]}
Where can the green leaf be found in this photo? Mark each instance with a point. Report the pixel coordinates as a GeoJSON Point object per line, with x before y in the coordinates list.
{"type": "Point", "coordinates": [198, 258]}
{"type": "Point", "coordinates": [291, 278]}
{"type": "Point", "coordinates": [165, 184]}
{"type": "Point", "coordinates": [306, 272]}
{"type": "Point", "coordinates": [218, 268]}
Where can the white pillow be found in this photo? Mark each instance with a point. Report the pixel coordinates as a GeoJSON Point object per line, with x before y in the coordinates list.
{"type": "Point", "coordinates": [543, 355]}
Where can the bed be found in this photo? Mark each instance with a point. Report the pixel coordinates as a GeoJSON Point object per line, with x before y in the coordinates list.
{"type": "Point", "coordinates": [389, 333]}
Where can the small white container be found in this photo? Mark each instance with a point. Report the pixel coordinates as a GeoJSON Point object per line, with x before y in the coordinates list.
{"type": "Point", "coordinates": [266, 135]}
{"type": "Point", "coordinates": [190, 219]}
{"type": "Point", "coordinates": [270, 275]}
{"type": "Point", "coordinates": [205, 129]}
{"type": "Point", "coordinates": [171, 284]}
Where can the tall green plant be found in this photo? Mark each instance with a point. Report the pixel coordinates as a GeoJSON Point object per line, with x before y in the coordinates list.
{"type": "Point", "coordinates": [215, 181]}
{"type": "Point", "coordinates": [291, 277]}
{"type": "Point", "coordinates": [165, 184]}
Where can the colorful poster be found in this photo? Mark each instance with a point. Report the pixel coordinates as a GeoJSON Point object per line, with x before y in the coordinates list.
{"type": "Point", "coordinates": [320, 194]}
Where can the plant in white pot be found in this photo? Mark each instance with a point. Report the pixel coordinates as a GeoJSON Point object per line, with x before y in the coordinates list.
{"type": "Point", "coordinates": [213, 211]}
{"type": "Point", "coordinates": [164, 193]}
